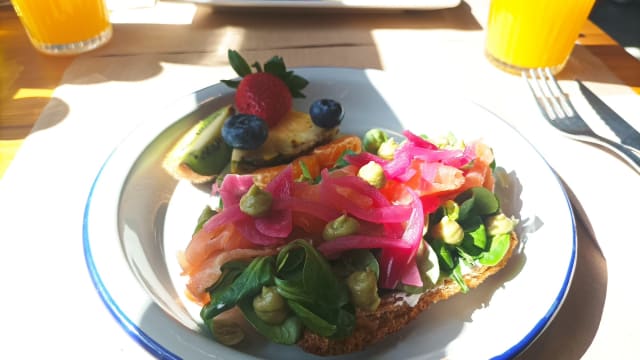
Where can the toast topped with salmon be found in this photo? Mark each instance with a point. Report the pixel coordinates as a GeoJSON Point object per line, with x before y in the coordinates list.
{"type": "Point", "coordinates": [324, 259]}
{"type": "Point", "coordinates": [335, 245]}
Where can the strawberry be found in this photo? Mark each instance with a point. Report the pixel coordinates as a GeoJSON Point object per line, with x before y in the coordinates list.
{"type": "Point", "coordinates": [265, 96]}
{"type": "Point", "coordinates": [265, 93]}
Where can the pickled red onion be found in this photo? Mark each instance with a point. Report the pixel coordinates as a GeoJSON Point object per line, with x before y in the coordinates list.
{"type": "Point", "coordinates": [351, 242]}
{"type": "Point", "coordinates": [395, 261]}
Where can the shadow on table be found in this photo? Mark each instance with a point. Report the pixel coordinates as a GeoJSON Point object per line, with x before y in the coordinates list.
{"type": "Point", "coordinates": [575, 325]}
{"type": "Point", "coordinates": [338, 38]}
{"type": "Point", "coordinates": [56, 109]}
{"type": "Point", "coordinates": [585, 63]}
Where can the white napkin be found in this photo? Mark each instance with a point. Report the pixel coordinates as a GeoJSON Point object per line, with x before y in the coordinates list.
{"type": "Point", "coordinates": [43, 194]}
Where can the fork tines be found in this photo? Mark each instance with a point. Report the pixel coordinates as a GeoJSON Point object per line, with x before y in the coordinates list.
{"type": "Point", "coordinates": [552, 100]}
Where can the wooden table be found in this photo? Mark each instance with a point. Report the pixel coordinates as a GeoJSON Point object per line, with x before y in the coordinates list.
{"type": "Point", "coordinates": [29, 79]}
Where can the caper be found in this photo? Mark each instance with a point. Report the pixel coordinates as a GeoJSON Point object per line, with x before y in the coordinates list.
{"type": "Point", "coordinates": [451, 209]}
{"type": "Point", "coordinates": [270, 306]}
{"type": "Point", "coordinates": [341, 226]}
{"type": "Point", "coordinates": [499, 224]}
{"type": "Point", "coordinates": [388, 149]}
{"type": "Point", "coordinates": [448, 230]}
{"type": "Point", "coordinates": [373, 173]}
{"type": "Point", "coordinates": [256, 202]}
{"type": "Point", "coordinates": [226, 332]}
{"type": "Point", "coordinates": [363, 287]}
{"type": "Point", "coordinates": [373, 139]}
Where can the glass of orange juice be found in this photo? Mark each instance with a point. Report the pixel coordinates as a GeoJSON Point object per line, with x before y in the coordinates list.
{"type": "Point", "coordinates": [525, 34]}
{"type": "Point", "coordinates": [63, 27]}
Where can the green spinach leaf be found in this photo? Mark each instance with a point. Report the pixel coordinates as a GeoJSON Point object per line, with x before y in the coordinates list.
{"type": "Point", "coordinates": [477, 201]}
{"type": "Point", "coordinates": [318, 280]}
{"type": "Point", "coordinates": [446, 258]}
{"type": "Point", "coordinates": [287, 333]}
{"type": "Point", "coordinates": [205, 215]}
{"type": "Point", "coordinates": [311, 288]}
{"type": "Point", "coordinates": [311, 320]}
{"type": "Point", "coordinates": [293, 289]}
{"type": "Point", "coordinates": [355, 260]}
{"type": "Point", "coordinates": [499, 245]}
{"type": "Point", "coordinates": [456, 275]}
{"type": "Point", "coordinates": [230, 271]}
{"type": "Point", "coordinates": [260, 272]}
{"type": "Point", "coordinates": [290, 262]}
{"type": "Point", "coordinates": [345, 319]}
{"type": "Point", "coordinates": [474, 242]}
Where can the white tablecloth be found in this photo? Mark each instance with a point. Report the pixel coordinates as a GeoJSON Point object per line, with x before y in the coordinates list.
{"type": "Point", "coordinates": [49, 305]}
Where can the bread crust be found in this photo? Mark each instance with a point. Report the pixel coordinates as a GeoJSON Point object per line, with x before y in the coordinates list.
{"type": "Point", "coordinates": [394, 313]}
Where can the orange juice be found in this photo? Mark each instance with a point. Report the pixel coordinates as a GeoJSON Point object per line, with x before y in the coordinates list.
{"type": "Point", "coordinates": [64, 26]}
{"type": "Point", "coordinates": [523, 34]}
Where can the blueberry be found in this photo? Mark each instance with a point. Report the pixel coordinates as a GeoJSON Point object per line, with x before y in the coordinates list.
{"type": "Point", "coordinates": [326, 113]}
{"type": "Point", "coordinates": [243, 131]}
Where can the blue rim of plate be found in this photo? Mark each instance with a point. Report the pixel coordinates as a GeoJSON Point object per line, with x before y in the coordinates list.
{"type": "Point", "coordinates": [553, 310]}
{"type": "Point", "coordinates": [123, 320]}
{"type": "Point", "coordinates": [159, 351]}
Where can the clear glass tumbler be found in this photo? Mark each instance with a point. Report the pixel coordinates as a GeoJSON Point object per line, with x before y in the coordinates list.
{"type": "Point", "coordinates": [524, 34]}
{"type": "Point", "coordinates": [64, 27]}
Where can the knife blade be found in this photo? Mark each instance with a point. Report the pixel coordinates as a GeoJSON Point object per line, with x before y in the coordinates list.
{"type": "Point", "coordinates": [627, 134]}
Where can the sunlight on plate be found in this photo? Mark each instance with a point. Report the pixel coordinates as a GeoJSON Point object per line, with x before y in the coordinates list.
{"type": "Point", "coordinates": [137, 218]}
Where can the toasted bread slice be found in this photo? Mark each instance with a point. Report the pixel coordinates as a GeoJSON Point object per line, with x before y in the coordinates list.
{"type": "Point", "coordinates": [394, 313]}
{"type": "Point", "coordinates": [293, 136]}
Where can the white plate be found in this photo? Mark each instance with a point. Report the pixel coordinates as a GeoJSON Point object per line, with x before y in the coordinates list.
{"type": "Point", "coordinates": [137, 216]}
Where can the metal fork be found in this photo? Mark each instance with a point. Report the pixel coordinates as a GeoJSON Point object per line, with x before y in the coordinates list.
{"type": "Point", "coordinates": [559, 112]}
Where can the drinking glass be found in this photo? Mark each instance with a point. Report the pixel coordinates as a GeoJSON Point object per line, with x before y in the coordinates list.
{"type": "Point", "coordinates": [63, 27]}
{"type": "Point", "coordinates": [525, 34]}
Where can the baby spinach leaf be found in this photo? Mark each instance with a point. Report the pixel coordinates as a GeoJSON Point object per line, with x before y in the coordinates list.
{"type": "Point", "coordinates": [290, 262]}
{"type": "Point", "coordinates": [477, 201]}
{"type": "Point", "coordinates": [446, 258]}
{"type": "Point", "coordinates": [456, 275]}
{"type": "Point", "coordinates": [468, 249]}
{"type": "Point", "coordinates": [260, 272]}
{"type": "Point", "coordinates": [355, 260]}
{"type": "Point", "coordinates": [205, 215]}
{"type": "Point", "coordinates": [293, 290]}
{"type": "Point", "coordinates": [474, 242]}
{"type": "Point", "coordinates": [475, 228]}
{"type": "Point", "coordinates": [287, 333]}
{"type": "Point", "coordinates": [230, 271]}
{"type": "Point", "coordinates": [497, 250]}
{"type": "Point", "coordinates": [312, 321]}
{"type": "Point", "coordinates": [311, 288]}
{"type": "Point", "coordinates": [345, 321]}
{"type": "Point", "coordinates": [318, 280]}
